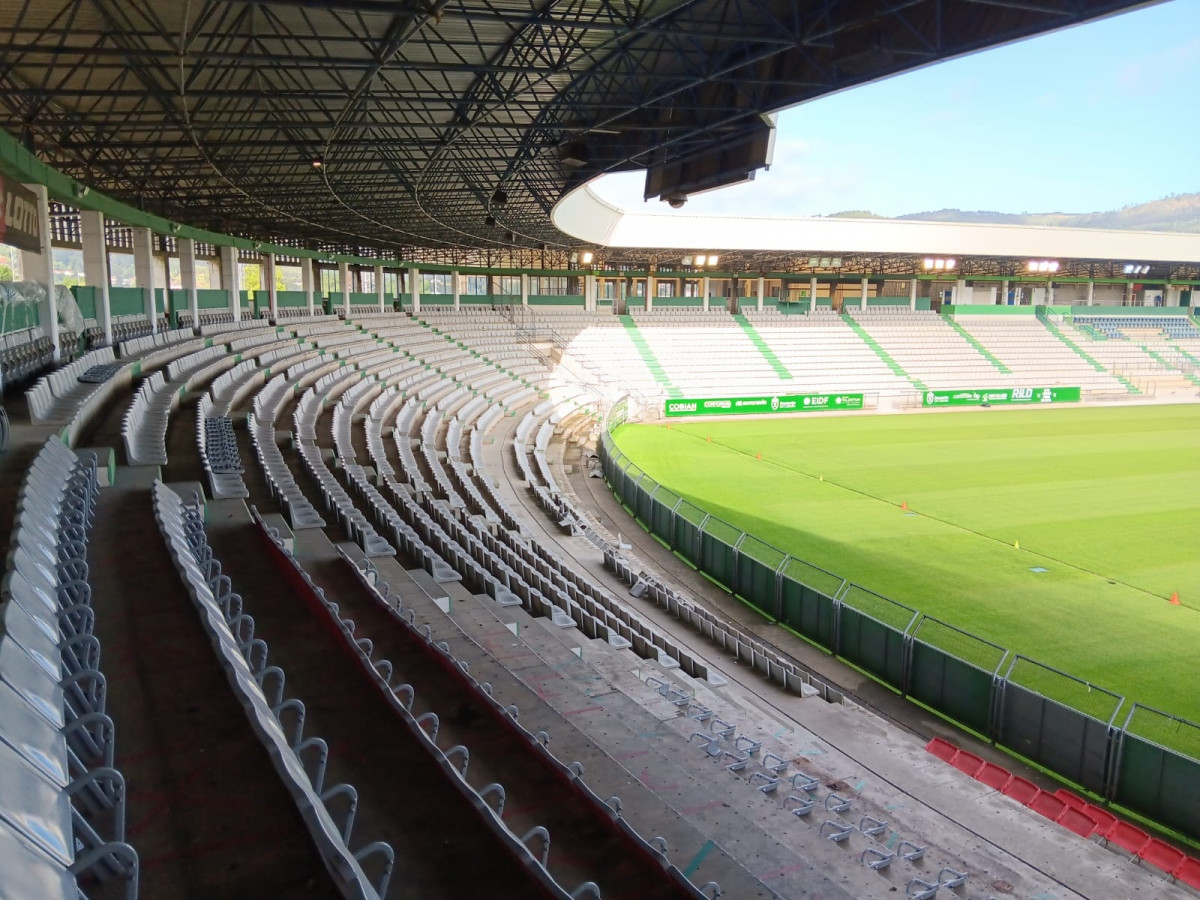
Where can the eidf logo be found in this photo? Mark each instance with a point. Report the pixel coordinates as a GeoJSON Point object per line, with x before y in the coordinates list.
{"type": "Point", "coordinates": [774, 403]}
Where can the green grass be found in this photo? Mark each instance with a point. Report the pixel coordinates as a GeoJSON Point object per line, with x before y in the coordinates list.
{"type": "Point", "coordinates": [1106, 499]}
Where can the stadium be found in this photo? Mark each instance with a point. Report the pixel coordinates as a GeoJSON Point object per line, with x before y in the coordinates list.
{"type": "Point", "coordinates": [393, 515]}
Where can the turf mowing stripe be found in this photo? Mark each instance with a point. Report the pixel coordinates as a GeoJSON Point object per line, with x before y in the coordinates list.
{"type": "Point", "coordinates": [760, 342]}
{"type": "Point", "coordinates": [962, 528]}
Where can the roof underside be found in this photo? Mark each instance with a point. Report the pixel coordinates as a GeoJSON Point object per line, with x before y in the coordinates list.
{"type": "Point", "coordinates": [212, 112]}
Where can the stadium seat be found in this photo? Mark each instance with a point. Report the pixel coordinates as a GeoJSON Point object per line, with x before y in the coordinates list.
{"type": "Point", "coordinates": [942, 749]}
{"type": "Point", "coordinates": [993, 776]}
{"type": "Point", "coordinates": [967, 763]}
{"type": "Point", "coordinates": [1070, 799]}
{"type": "Point", "coordinates": [1022, 790]}
{"type": "Point", "coordinates": [1188, 871]}
{"type": "Point", "coordinates": [1161, 855]}
{"type": "Point", "coordinates": [1127, 837]}
{"type": "Point", "coordinates": [1076, 820]}
{"type": "Point", "coordinates": [1046, 804]}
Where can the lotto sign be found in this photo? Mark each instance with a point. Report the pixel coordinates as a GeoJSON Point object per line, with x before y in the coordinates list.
{"type": "Point", "coordinates": [740, 406]}
{"type": "Point", "coordinates": [1001, 396]}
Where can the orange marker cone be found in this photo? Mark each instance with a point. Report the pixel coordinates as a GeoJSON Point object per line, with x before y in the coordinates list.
{"type": "Point", "coordinates": [904, 505]}
{"type": "Point", "coordinates": [708, 439]}
{"type": "Point", "coordinates": [758, 456]}
{"type": "Point", "coordinates": [1175, 598]}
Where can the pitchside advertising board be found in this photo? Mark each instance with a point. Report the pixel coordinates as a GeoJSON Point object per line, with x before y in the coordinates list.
{"type": "Point", "coordinates": [1001, 396]}
{"type": "Point", "coordinates": [740, 406]}
{"type": "Point", "coordinates": [18, 216]}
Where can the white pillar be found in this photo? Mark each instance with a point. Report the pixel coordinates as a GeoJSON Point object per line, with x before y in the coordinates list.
{"type": "Point", "coordinates": [862, 296]}
{"type": "Point", "coordinates": [456, 287]}
{"type": "Point", "coordinates": [525, 291]}
{"type": "Point", "coordinates": [39, 267]}
{"type": "Point", "coordinates": [1129, 293]}
{"type": "Point", "coordinates": [230, 281]}
{"type": "Point", "coordinates": [761, 292]}
{"type": "Point", "coordinates": [344, 286]}
{"type": "Point", "coordinates": [379, 286]}
{"type": "Point", "coordinates": [812, 294]}
{"type": "Point", "coordinates": [414, 286]}
{"type": "Point", "coordinates": [95, 266]}
{"type": "Point", "coordinates": [187, 274]}
{"type": "Point", "coordinates": [1049, 292]}
{"type": "Point", "coordinates": [268, 275]}
{"type": "Point", "coordinates": [651, 286]}
{"type": "Point", "coordinates": [622, 295]}
{"type": "Point", "coordinates": [704, 291]}
{"type": "Point", "coordinates": [912, 295]}
{"type": "Point", "coordinates": [306, 281]}
{"type": "Point", "coordinates": [1004, 292]}
{"type": "Point", "coordinates": [143, 268]}
{"type": "Point", "coordinates": [1091, 292]}
{"type": "Point", "coordinates": [589, 292]}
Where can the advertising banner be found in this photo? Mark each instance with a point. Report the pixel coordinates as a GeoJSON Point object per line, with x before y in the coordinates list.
{"type": "Point", "coordinates": [18, 216]}
{"type": "Point", "coordinates": [1001, 396]}
{"type": "Point", "coordinates": [741, 406]}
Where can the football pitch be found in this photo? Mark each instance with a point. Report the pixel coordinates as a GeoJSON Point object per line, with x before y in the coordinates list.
{"type": "Point", "coordinates": [1106, 500]}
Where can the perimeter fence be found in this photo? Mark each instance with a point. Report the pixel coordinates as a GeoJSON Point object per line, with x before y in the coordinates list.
{"type": "Point", "coordinates": [1146, 760]}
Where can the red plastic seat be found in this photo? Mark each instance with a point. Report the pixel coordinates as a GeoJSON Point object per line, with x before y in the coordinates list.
{"type": "Point", "coordinates": [1128, 837]}
{"type": "Point", "coordinates": [941, 748]}
{"type": "Point", "coordinates": [1188, 872]}
{"type": "Point", "coordinates": [1071, 799]}
{"type": "Point", "coordinates": [1161, 854]}
{"type": "Point", "coordinates": [967, 762]}
{"type": "Point", "coordinates": [1021, 790]}
{"type": "Point", "coordinates": [1076, 820]}
{"type": "Point", "coordinates": [1104, 819]}
{"type": "Point", "coordinates": [1046, 804]}
{"type": "Point", "coordinates": [993, 776]}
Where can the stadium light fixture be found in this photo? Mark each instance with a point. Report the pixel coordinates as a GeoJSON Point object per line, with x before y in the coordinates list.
{"type": "Point", "coordinates": [317, 162]}
{"type": "Point", "coordinates": [686, 261]}
{"type": "Point", "coordinates": [701, 259]}
{"type": "Point", "coordinates": [1043, 265]}
{"type": "Point", "coordinates": [1136, 269]}
{"type": "Point", "coordinates": [939, 264]}
{"type": "Point", "coordinates": [587, 257]}
{"type": "Point", "coordinates": [712, 260]}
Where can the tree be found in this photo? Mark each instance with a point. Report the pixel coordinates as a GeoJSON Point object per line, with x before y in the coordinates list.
{"type": "Point", "coordinates": [6, 272]}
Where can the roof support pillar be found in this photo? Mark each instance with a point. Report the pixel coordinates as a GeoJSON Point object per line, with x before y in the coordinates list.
{"type": "Point", "coordinates": [379, 286]}
{"type": "Point", "coordinates": [912, 295]}
{"type": "Point", "coordinates": [230, 281]}
{"type": "Point", "coordinates": [1004, 292]}
{"type": "Point", "coordinates": [143, 269]}
{"type": "Point", "coordinates": [651, 286]}
{"type": "Point", "coordinates": [760, 291]}
{"type": "Point", "coordinates": [95, 266]}
{"type": "Point", "coordinates": [268, 277]}
{"type": "Point", "coordinates": [414, 285]}
{"type": "Point", "coordinates": [456, 290]}
{"type": "Point", "coordinates": [812, 294]}
{"type": "Point", "coordinates": [344, 285]}
{"type": "Point", "coordinates": [39, 267]}
{"type": "Point", "coordinates": [306, 281]}
{"type": "Point", "coordinates": [704, 291]}
{"type": "Point", "coordinates": [187, 275]}
{"type": "Point", "coordinates": [862, 295]}
{"type": "Point", "coordinates": [525, 290]}
{"type": "Point", "coordinates": [1091, 292]}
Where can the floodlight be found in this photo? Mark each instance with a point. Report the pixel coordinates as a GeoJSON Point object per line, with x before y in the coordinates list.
{"type": "Point", "coordinates": [587, 257]}
{"type": "Point", "coordinates": [928, 263]}
{"type": "Point", "coordinates": [686, 261]}
{"type": "Point", "coordinates": [701, 259]}
{"type": "Point", "coordinates": [712, 260]}
{"type": "Point", "coordinates": [951, 263]}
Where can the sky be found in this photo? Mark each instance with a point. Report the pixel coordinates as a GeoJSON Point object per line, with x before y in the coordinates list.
{"type": "Point", "coordinates": [1086, 119]}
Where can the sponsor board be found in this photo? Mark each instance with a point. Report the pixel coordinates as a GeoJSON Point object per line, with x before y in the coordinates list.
{"type": "Point", "coordinates": [19, 223]}
{"type": "Point", "coordinates": [1001, 396]}
{"type": "Point", "coordinates": [780, 403]}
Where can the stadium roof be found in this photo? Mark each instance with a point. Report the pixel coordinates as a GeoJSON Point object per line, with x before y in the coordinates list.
{"type": "Point", "coordinates": [438, 125]}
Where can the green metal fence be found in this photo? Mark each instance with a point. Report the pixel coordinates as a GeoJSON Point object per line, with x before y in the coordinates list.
{"type": "Point", "coordinates": [1150, 763]}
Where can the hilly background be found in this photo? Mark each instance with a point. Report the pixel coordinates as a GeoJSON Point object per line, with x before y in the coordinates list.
{"type": "Point", "coordinates": [1179, 212]}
